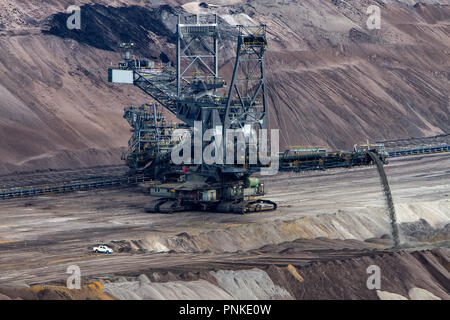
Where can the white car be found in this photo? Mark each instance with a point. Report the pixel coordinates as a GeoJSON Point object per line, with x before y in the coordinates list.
{"type": "Point", "coordinates": [103, 249]}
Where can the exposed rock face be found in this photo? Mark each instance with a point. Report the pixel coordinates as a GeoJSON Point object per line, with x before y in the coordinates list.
{"type": "Point", "coordinates": [331, 80]}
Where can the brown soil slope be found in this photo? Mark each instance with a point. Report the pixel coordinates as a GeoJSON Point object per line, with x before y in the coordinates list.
{"type": "Point", "coordinates": [331, 81]}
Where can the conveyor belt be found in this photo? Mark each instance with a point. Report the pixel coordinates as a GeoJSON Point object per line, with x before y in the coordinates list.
{"type": "Point", "coordinates": [419, 150]}
{"type": "Point", "coordinates": [29, 191]}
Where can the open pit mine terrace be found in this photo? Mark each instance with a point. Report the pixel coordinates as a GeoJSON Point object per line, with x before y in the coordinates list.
{"type": "Point", "coordinates": [330, 226]}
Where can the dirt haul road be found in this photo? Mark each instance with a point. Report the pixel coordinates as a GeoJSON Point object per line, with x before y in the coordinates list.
{"type": "Point", "coordinates": [40, 237]}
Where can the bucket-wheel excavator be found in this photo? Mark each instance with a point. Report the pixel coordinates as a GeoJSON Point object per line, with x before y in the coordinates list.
{"type": "Point", "coordinates": [195, 93]}
{"type": "Point", "coordinates": [203, 103]}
